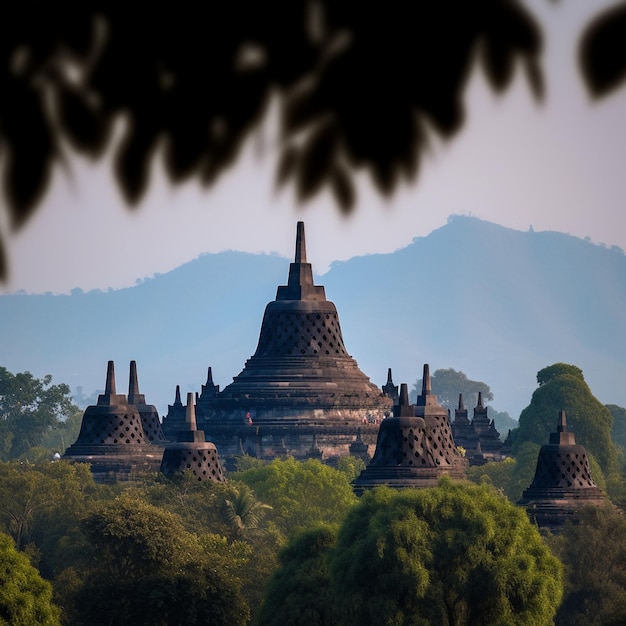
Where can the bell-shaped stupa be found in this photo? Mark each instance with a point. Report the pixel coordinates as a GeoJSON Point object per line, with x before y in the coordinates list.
{"type": "Point", "coordinates": [300, 382]}
{"type": "Point", "coordinates": [415, 447]}
{"type": "Point", "coordinates": [112, 438]}
{"type": "Point", "coordinates": [562, 482]}
{"type": "Point", "coordinates": [191, 451]}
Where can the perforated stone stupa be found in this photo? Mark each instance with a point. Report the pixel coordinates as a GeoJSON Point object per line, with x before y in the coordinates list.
{"type": "Point", "coordinates": [112, 438]}
{"type": "Point", "coordinates": [300, 383]}
{"type": "Point", "coordinates": [192, 452]}
{"type": "Point", "coordinates": [562, 482]}
{"type": "Point", "coordinates": [415, 447]}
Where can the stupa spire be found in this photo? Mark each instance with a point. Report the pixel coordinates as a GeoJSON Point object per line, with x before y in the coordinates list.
{"type": "Point", "coordinates": [177, 397]}
{"type": "Point", "coordinates": [110, 396]}
{"type": "Point", "coordinates": [300, 284]}
{"type": "Point", "coordinates": [561, 426]}
{"type": "Point", "coordinates": [427, 398]}
{"type": "Point", "coordinates": [109, 387]}
{"type": "Point", "coordinates": [426, 386]}
{"type": "Point", "coordinates": [209, 377]}
{"type": "Point", "coordinates": [389, 379]}
{"type": "Point", "coordinates": [300, 244]}
{"type": "Point", "coordinates": [461, 404]}
{"type": "Point", "coordinates": [190, 417]}
{"type": "Point", "coordinates": [134, 397]}
{"type": "Point", "coordinates": [479, 404]}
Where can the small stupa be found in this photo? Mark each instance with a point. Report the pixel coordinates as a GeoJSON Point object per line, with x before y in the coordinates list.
{"type": "Point", "coordinates": [479, 438]}
{"type": "Point", "coordinates": [175, 418]}
{"type": "Point", "coordinates": [301, 382]}
{"type": "Point", "coordinates": [562, 482]}
{"type": "Point", "coordinates": [414, 447]}
{"type": "Point", "coordinates": [191, 451]}
{"type": "Point", "coordinates": [112, 438]}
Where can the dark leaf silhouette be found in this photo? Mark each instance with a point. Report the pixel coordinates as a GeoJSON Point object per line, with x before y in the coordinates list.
{"type": "Point", "coordinates": [603, 52]}
{"type": "Point", "coordinates": [356, 85]}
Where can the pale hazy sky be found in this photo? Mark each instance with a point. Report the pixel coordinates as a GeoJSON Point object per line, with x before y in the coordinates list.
{"type": "Point", "coordinates": [556, 165]}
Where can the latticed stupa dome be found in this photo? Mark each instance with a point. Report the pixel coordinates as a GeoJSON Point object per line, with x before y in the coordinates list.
{"type": "Point", "coordinates": [414, 447]}
{"type": "Point", "coordinates": [192, 452]}
{"type": "Point", "coordinates": [112, 437]}
{"type": "Point", "coordinates": [300, 374]}
{"type": "Point", "coordinates": [562, 482]}
{"type": "Point", "coordinates": [301, 360]}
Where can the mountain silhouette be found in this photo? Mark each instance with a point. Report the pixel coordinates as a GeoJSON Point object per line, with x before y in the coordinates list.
{"type": "Point", "coordinates": [495, 303]}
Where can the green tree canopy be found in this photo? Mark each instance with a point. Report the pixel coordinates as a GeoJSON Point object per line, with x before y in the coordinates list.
{"type": "Point", "coordinates": [301, 493]}
{"type": "Point", "coordinates": [456, 554]}
{"type": "Point", "coordinates": [447, 384]}
{"type": "Point", "coordinates": [30, 408]}
{"type": "Point", "coordinates": [594, 554]}
{"type": "Point", "coordinates": [300, 593]}
{"type": "Point", "coordinates": [148, 570]}
{"type": "Point", "coordinates": [618, 432]}
{"type": "Point", "coordinates": [25, 597]}
{"type": "Point", "coordinates": [562, 387]}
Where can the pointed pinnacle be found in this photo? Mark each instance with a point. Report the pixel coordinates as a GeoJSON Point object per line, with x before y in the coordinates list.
{"type": "Point", "coordinates": [461, 405]}
{"type": "Point", "coordinates": [426, 386]}
{"type": "Point", "coordinates": [133, 383]}
{"type": "Point", "coordinates": [404, 394]}
{"type": "Point", "coordinates": [209, 378]}
{"type": "Point", "coordinates": [190, 416]}
{"type": "Point", "coordinates": [177, 398]}
{"type": "Point", "coordinates": [109, 388]}
{"type": "Point", "coordinates": [479, 405]}
{"type": "Point", "coordinates": [389, 379]}
{"type": "Point", "coordinates": [300, 244]}
{"type": "Point", "coordinates": [562, 425]}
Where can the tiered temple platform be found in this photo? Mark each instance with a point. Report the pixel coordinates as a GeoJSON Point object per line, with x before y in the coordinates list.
{"type": "Point", "coordinates": [301, 386]}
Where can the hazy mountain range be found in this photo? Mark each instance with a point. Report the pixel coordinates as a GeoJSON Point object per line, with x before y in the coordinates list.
{"type": "Point", "coordinates": [496, 303]}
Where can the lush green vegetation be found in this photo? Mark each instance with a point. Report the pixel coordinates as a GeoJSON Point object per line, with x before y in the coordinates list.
{"type": "Point", "coordinates": [287, 542]}
{"type": "Point", "coordinates": [37, 418]}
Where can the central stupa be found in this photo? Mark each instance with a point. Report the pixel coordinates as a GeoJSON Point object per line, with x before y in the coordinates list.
{"type": "Point", "coordinates": [300, 385]}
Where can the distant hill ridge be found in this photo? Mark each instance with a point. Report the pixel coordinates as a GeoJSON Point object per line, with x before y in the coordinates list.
{"type": "Point", "coordinates": [496, 303]}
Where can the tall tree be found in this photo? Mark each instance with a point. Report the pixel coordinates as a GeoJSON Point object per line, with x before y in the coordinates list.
{"type": "Point", "coordinates": [618, 431]}
{"type": "Point", "coordinates": [452, 555]}
{"type": "Point", "coordinates": [29, 409]}
{"type": "Point", "coordinates": [25, 597]}
{"type": "Point", "coordinates": [301, 493]}
{"type": "Point", "coordinates": [594, 554]}
{"type": "Point", "coordinates": [447, 384]}
{"type": "Point", "coordinates": [562, 387]}
{"type": "Point", "coordinates": [300, 593]}
{"type": "Point", "coordinates": [245, 512]}
{"type": "Point", "coordinates": [147, 569]}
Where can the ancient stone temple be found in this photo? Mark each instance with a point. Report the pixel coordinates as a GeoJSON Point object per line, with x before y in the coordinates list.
{"type": "Point", "coordinates": [112, 437]}
{"type": "Point", "coordinates": [479, 438]}
{"type": "Point", "coordinates": [300, 385]}
{"type": "Point", "coordinates": [562, 482]}
{"type": "Point", "coordinates": [414, 447]}
{"type": "Point", "coordinates": [191, 451]}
